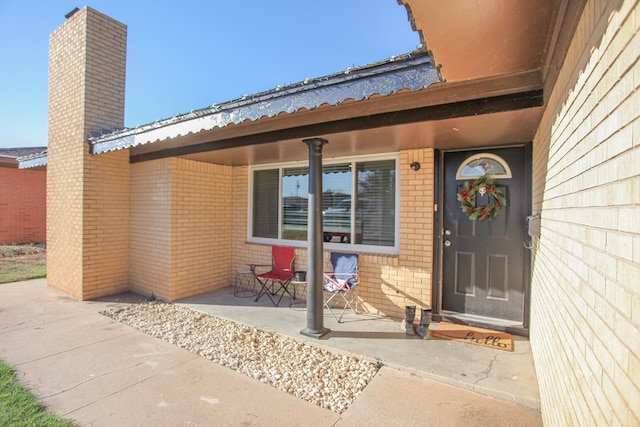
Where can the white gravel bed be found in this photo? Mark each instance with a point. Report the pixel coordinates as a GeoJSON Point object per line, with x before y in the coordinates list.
{"type": "Point", "coordinates": [329, 380]}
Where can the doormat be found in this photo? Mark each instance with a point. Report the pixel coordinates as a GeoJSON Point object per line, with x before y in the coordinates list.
{"type": "Point", "coordinates": [476, 336]}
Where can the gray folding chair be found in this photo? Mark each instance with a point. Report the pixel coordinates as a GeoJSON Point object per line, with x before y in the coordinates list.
{"type": "Point", "coordinates": [342, 283]}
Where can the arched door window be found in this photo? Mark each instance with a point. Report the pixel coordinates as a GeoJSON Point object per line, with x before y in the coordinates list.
{"type": "Point", "coordinates": [482, 164]}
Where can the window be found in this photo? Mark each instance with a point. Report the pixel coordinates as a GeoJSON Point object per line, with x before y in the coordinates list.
{"type": "Point", "coordinates": [481, 164]}
{"type": "Point", "coordinates": [359, 204]}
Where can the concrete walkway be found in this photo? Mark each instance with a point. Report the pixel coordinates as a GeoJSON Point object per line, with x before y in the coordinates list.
{"type": "Point", "coordinates": [89, 368]}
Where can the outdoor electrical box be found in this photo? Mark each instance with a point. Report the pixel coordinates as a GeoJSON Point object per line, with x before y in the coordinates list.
{"type": "Point", "coordinates": [533, 225]}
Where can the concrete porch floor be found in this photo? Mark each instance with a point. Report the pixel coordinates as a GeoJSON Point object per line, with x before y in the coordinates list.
{"type": "Point", "coordinates": [509, 376]}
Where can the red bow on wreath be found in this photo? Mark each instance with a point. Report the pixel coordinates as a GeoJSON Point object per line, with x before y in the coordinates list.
{"type": "Point", "coordinates": [482, 185]}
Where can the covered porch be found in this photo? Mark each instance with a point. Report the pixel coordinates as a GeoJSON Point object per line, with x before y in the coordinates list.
{"type": "Point", "coordinates": [183, 218]}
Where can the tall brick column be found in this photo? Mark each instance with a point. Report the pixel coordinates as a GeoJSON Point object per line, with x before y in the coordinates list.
{"type": "Point", "coordinates": [87, 196]}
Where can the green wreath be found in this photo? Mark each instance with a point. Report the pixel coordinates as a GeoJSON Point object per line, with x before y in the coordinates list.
{"type": "Point", "coordinates": [467, 198]}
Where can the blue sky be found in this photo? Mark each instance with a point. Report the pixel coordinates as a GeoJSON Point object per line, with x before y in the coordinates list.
{"type": "Point", "coordinates": [190, 54]}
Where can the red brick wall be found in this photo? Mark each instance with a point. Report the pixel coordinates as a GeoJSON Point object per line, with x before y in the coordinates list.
{"type": "Point", "coordinates": [23, 195]}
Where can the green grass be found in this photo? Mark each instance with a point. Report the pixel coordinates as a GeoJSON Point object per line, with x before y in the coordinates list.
{"type": "Point", "coordinates": [18, 272]}
{"type": "Point", "coordinates": [22, 262]}
{"type": "Point", "coordinates": [18, 407]}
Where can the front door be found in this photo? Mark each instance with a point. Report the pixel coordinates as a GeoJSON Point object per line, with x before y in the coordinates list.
{"type": "Point", "coordinates": [485, 263]}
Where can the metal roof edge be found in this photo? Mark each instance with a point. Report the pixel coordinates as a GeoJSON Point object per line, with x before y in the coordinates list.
{"type": "Point", "coordinates": [33, 160]}
{"type": "Point", "coordinates": [412, 71]}
{"type": "Point", "coordinates": [8, 162]}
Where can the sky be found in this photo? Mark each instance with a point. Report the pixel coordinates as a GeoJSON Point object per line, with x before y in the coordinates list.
{"type": "Point", "coordinates": [191, 54]}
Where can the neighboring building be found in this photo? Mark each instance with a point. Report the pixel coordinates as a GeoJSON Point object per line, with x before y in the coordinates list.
{"type": "Point", "coordinates": [23, 197]}
{"type": "Point", "coordinates": [545, 93]}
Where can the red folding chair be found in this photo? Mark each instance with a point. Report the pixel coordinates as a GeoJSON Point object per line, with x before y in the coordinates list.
{"type": "Point", "coordinates": [279, 277]}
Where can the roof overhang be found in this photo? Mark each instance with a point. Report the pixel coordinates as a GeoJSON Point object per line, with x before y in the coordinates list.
{"type": "Point", "coordinates": [8, 162]}
{"type": "Point", "coordinates": [389, 106]}
{"type": "Point", "coordinates": [494, 61]}
{"type": "Point", "coordinates": [490, 111]}
{"type": "Point", "coordinates": [23, 157]}
{"type": "Point", "coordinates": [472, 40]}
{"type": "Point", "coordinates": [34, 161]}
{"type": "Point", "coordinates": [410, 73]}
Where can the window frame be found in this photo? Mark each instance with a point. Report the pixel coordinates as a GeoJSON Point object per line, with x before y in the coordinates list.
{"type": "Point", "coordinates": [502, 162]}
{"type": "Point", "coordinates": [332, 246]}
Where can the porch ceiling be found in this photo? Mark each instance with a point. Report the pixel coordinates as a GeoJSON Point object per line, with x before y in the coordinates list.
{"type": "Point", "coordinates": [477, 131]}
{"type": "Point", "coordinates": [491, 54]}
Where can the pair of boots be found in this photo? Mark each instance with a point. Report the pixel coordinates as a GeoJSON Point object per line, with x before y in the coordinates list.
{"type": "Point", "coordinates": [409, 316]}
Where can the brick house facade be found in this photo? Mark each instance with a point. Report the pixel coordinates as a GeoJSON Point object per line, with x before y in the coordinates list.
{"type": "Point", "coordinates": [159, 218]}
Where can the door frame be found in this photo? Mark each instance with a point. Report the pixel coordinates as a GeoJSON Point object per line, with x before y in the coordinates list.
{"type": "Point", "coordinates": [438, 244]}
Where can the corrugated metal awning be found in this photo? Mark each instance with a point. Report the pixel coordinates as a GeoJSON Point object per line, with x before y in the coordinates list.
{"type": "Point", "coordinates": [33, 161]}
{"type": "Point", "coordinates": [414, 71]}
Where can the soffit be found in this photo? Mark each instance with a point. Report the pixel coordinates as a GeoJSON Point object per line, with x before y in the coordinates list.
{"type": "Point", "coordinates": [471, 39]}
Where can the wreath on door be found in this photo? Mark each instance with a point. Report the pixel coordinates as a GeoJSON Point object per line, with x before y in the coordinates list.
{"type": "Point", "coordinates": [483, 185]}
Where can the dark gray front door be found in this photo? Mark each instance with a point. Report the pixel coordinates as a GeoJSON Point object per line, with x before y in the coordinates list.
{"type": "Point", "coordinates": [484, 263]}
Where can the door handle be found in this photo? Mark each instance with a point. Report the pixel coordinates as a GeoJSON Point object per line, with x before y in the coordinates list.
{"type": "Point", "coordinates": [447, 243]}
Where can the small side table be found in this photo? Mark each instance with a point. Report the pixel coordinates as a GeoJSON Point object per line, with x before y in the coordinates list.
{"type": "Point", "coordinates": [244, 285]}
{"type": "Point", "coordinates": [295, 284]}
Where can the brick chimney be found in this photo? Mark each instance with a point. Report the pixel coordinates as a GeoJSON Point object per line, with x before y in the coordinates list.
{"type": "Point", "coordinates": [87, 196]}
